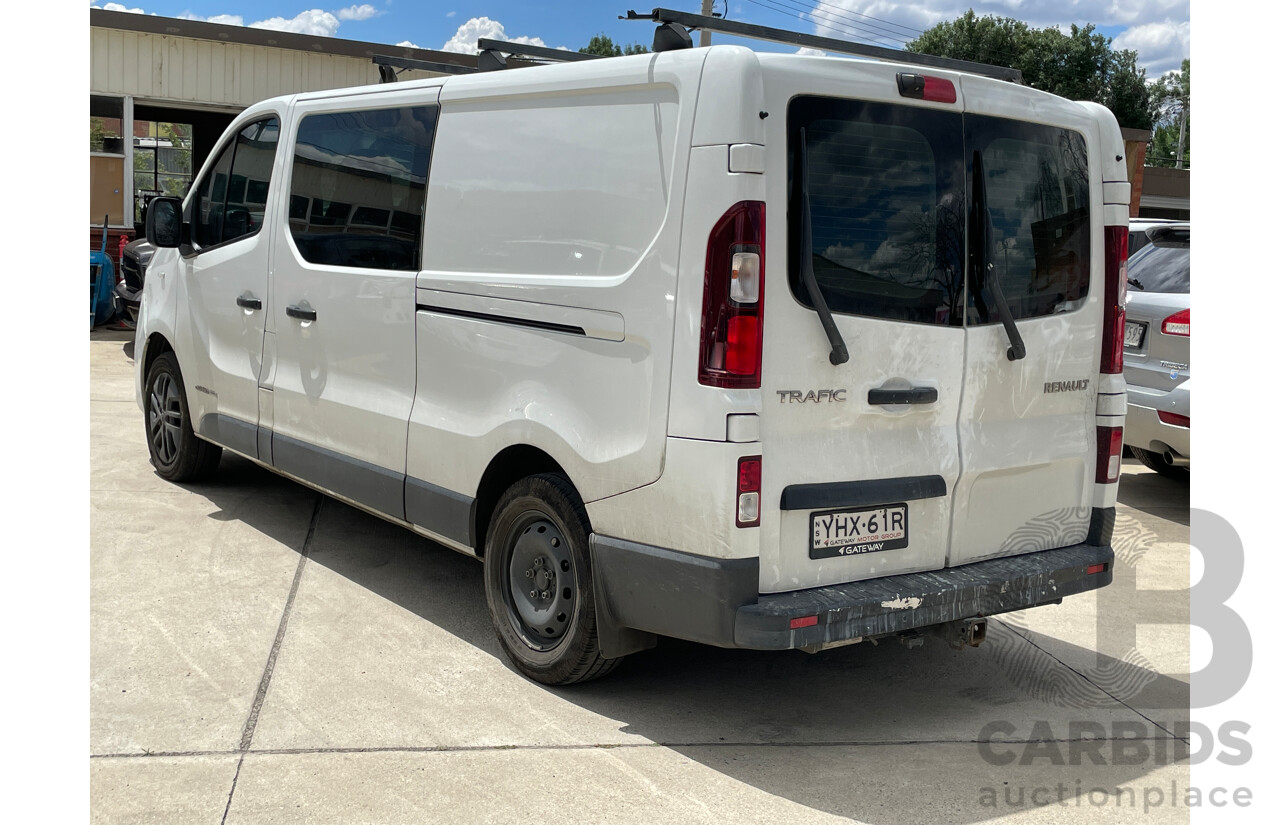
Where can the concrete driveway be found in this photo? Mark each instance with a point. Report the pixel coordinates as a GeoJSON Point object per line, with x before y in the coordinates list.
{"type": "Point", "coordinates": [263, 654]}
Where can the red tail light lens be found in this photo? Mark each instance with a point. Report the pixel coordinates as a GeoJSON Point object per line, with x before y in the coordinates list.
{"type": "Point", "coordinates": [1110, 445]}
{"type": "Point", "coordinates": [733, 300]}
{"type": "Point", "coordinates": [1178, 323]}
{"type": "Point", "coordinates": [1116, 280]}
{"type": "Point", "coordinates": [748, 492]}
{"type": "Point", "coordinates": [1174, 419]}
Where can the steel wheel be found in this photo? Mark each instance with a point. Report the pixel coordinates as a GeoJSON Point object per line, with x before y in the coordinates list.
{"type": "Point", "coordinates": [540, 583]}
{"type": "Point", "coordinates": [537, 571]}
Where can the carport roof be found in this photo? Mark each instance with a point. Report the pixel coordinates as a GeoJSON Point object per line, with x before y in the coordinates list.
{"type": "Point", "coordinates": [200, 30]}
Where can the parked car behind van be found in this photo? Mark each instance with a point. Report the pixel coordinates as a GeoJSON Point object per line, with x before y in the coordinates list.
{"type": "Point", "coordinates": [133, 273]}
{"type": "Point", "coordinates": [1157, 351]}
{"type": "Point", "coordinates": [757, 350]}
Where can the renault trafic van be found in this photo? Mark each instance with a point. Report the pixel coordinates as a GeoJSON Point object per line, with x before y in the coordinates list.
{"type": "Point", "coordinates": [764, 351]}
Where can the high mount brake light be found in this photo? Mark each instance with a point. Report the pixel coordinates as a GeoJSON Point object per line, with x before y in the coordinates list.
{"type": "Point", "coordinates": [733, 300]}
{"type": "Point", "coordinates": [1116, 242]}
{"type": "Point", "coordinates": [926, 87]}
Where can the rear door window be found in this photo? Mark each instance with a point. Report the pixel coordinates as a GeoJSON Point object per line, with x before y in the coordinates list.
{"type": "Point", "coordinates": [886, 194]}
{"type": "Point", "coordinates": [1164, 265]}
{"type": "Point", "coordinates": [1037, 200]}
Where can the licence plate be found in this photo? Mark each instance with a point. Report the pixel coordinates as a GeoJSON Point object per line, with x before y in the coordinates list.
{"type": "Point", "coordinates": [1133, 333]}
{"type": "Point", "coordinates": [855, 532]}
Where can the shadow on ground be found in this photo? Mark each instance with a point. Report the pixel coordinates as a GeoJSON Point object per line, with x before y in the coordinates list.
{"type": "Point", "coordinates": [881, 733]}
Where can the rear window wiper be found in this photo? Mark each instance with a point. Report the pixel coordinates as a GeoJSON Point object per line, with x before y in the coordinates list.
{"type": "Point", "coordinates": [839, 352]}
{"type": "Point", "coordinates": [986, 269]}
{"type": "Point", "coordinates": [1137, 283]}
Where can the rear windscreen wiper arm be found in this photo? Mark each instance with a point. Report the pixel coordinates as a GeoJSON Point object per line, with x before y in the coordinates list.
{"type": "Point", "coordinates": [1017, 349]}
{"type": "Point", "coordinates": [839, 352]}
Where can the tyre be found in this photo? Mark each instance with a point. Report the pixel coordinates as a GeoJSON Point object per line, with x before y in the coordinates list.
{"type": "Point", "coordinates": [537, 572]}
{"type": "Point", "coordinates": [176, 452]}
{"type": "Point", "coordinates": [1157, 462]}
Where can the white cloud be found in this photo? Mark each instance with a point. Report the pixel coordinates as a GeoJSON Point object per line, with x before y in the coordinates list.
{"type": "Point", "coordinates": [361, 12]}
{"type": "Point", "coordinates": [220, 19]}
{"type": "Point", "coordinates": [464, 40]}
{"type": "Point", "coordinates": [117, 7]}
{"type": "Point", "coordinates": [1161, 47]}
{"type": "Point", "coordinates": [409, 44]}
{"type": "Point", "coordinates": [451, 14]}
{"type": "Point", "coordinates": [808, 52]}
{"type": "Point", "coordinates": [312, 21]}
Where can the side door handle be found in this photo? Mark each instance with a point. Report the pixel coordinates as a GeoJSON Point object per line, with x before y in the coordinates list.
{"type": "Point", "coordinates": [301, 313]}
{"type": "Point", "coordinates": [248, 303]}
{"type": "Point", "coordinates": [914, 395]}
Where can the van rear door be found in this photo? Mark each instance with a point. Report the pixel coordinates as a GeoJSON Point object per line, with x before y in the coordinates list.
{"type": "Point", "coordinates": [860, 458]}
{"type": "Point", "coordinates": [1027, 424]}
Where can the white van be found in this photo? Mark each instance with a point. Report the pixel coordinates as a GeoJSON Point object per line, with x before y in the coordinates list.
{"type": "Point", "coordinates": [759, 350]}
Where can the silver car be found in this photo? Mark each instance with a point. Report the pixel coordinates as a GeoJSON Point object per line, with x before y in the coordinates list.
{"type": "Point", "coordinates": [1157, 351]}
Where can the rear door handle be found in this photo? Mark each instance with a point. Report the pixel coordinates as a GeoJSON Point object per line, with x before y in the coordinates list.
{"type": "Point", "coordinates": [301, 313]}
{"type": "Point", "coordinates": [915, 395]}
{"type": "Point", "coordinates": [248, 303]}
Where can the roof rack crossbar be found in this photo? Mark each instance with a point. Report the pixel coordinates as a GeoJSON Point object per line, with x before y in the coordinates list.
{"type": "Point", "coordinates": [812, 41]}
{"type": "Point", "coordinates": [524, 50]}
{"type": "Point", "coordinates": [423, 65]}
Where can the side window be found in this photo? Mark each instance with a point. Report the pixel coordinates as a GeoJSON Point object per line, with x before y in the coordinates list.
{"type": "Point", "coordinates": [359, 185]}
{"type": "Point", "coordinates": [231, 199]}
{"type": "Point", "coordinates": [1037, 184]}
{"type": "Point", "coordinates": [886, 198]}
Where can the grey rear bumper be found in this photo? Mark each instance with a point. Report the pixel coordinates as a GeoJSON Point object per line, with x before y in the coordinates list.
{"type": "Point", "coordinates": [715, 601]}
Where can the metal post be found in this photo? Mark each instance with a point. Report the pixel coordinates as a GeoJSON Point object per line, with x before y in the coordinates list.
{"type": "Point", "coordinates": [1182, 134]}
{"type": "Point", "coordinates": [704, 37]}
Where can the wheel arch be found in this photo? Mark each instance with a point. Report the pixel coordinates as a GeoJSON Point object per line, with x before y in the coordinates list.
{"type": "Point", "coordinates": [155, 346]}
{"type": "Point", "coordinates": [506, 468]}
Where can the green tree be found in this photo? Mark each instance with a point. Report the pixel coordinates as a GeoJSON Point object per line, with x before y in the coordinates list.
{"type": "Point", "coordinates": [1078, 66]}
{"type": "Point", "coordinates": [603, 45]}
{"type": "Point", "coordinates": [1171, 113]}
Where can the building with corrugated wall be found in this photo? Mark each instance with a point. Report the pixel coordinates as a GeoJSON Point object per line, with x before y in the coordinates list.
{"type": "Point", "coordinates": [162, 90]}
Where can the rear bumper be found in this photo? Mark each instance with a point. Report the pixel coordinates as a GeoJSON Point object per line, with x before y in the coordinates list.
{"type": "Point", "coordinates": [1143, 427]}
{"type": "Point", "coordinates": [716, 601]}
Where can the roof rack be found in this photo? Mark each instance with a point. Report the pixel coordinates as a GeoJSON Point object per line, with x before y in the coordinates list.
{"type": "Point", "coordinates": [494, 53]}
{"type": "Point", "coordinates": [387, 65]}
{"type": "Point", "coordinates": [671, 35]}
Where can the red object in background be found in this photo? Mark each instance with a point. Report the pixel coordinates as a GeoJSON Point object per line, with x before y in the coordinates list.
{"type": "Point", "coordinates": [124, 241]}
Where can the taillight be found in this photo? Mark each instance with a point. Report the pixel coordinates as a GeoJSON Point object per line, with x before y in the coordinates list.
{"type": "Point", "coordinates": [733, 300]}
{"type": "Point", "coordinates": [1179, 323]}
{"type": "Point", "coordinates": [748, 492]}
{"type": "Point", "coordinates": [1174, 419]}
{"type": "Point", "coordinates": [1116, 240]}
{"type": "Point", "coordinates": [1110, 445]}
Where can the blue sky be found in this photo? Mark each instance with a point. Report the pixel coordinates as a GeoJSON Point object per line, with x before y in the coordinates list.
{"type": "Point", "coordinates": [1158, 30]}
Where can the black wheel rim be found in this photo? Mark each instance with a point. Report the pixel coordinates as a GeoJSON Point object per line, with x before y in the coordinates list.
{"type": "Point", "coordinates": [541, 583]}
{"type": "Point", "coordinates": [164, 419]}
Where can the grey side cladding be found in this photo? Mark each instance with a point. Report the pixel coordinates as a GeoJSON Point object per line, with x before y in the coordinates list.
{"type": "Point", "coordinates": [441, 511]}
{"type": "Point", "coordinates": [232, 433]}
{"type": "Point", "coordinates": [375, 487]}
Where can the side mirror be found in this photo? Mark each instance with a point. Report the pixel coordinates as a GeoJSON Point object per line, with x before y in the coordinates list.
{"type": "Point", "coordinates": [164, 223]}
